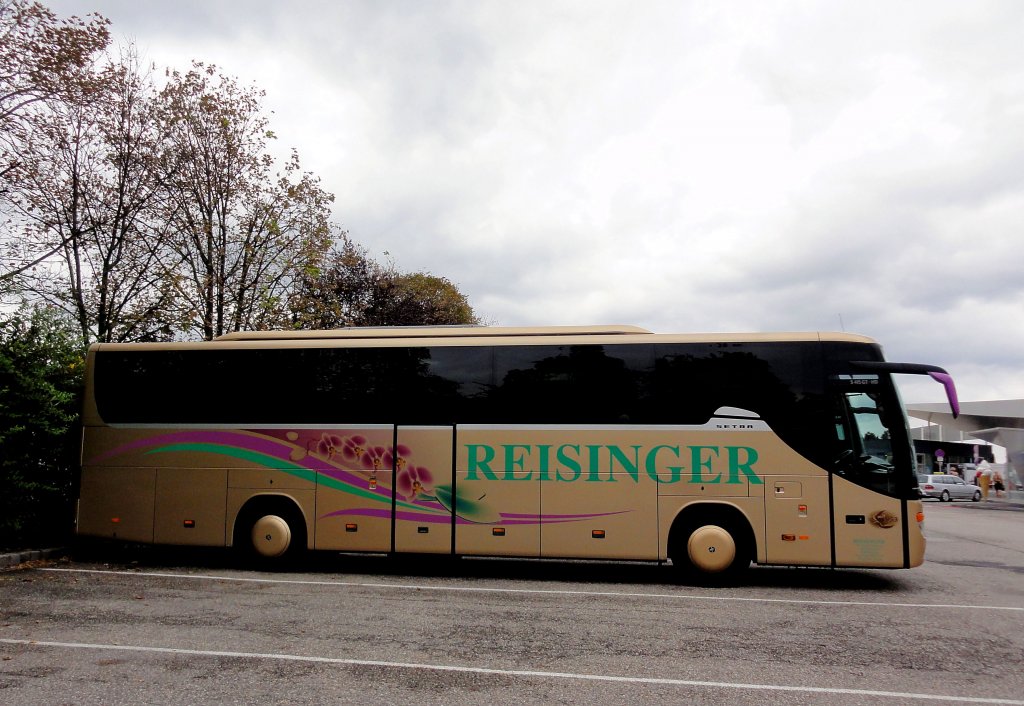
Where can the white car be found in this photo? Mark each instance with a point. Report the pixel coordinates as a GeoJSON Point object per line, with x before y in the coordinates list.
{"type": "Point", "coordinates": [947, 488]}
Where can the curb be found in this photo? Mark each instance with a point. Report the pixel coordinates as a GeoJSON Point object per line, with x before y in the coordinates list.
{"type": "Point", "coordinates": [1012, 506]}
{"type": "Point", "coordinates": [15, 558]}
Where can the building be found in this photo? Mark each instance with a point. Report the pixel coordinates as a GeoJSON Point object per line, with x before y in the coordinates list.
{"type": "Point", "coordinates": [999, 422]}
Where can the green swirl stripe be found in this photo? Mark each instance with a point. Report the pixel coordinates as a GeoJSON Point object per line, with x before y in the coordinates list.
{"type": "Point", "coordinates": [278, 464]}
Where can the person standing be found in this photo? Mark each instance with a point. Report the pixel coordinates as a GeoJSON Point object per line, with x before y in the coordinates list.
{"type": "Point", "coordinates": [985, 476]}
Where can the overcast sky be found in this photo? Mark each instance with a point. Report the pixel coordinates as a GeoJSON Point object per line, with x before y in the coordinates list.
{"type": "Point", "coordinates": [683, 166]}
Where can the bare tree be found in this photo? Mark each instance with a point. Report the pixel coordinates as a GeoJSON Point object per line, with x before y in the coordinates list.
{"type": "Point", "coordinates": [241, 232]}
{"type": "Point", "coordinates": [148, 213]}
{"type": "Point", "coordinates": [42, 58]}
{"type": "Point", "coordinates": [132, 292]}
{"type": "Point", "coordinates": [87, 190]}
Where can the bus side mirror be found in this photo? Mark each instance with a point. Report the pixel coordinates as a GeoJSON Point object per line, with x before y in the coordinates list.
{"type": "Point", "coordinates": [946, 380]}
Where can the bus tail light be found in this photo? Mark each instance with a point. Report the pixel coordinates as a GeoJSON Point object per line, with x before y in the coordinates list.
{"type": "Point", "coordinates": [920, 517]}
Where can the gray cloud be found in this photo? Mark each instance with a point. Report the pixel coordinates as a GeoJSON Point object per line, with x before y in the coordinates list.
{"type": "Point", "coordinates": [684, 167]}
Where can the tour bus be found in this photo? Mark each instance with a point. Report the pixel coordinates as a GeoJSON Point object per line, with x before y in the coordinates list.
{"type": "Point", "coordinates": [608, 442]}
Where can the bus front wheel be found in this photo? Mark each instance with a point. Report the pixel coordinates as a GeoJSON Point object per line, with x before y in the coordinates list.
{"type": "Point", "coordinates": [270, 535]}
{"type": "Point", "coordinates": [710, 550]}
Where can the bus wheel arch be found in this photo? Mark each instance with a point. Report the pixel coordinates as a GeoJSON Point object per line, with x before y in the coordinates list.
{"type": "Point", "coordinates": [711, 542]}
{"type": "Point", "coordinates": [270, 530]}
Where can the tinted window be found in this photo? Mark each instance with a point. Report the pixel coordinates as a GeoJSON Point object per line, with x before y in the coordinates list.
{"type": "Point", "coordinates": [781, 382]}
{"type": "Point", "coordinates": [580, 384]}
{"type": "Point", "coordinates": [238, 386]}
{"type": "Point", "coordinates": [444, 386]}
{"type": "Point", "coordinates": [571, 384]}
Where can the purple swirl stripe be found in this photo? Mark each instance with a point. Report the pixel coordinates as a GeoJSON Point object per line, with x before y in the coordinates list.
{"type": "Point", "coordinates": [251, 442]}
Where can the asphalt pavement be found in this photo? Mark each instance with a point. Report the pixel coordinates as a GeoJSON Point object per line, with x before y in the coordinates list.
{"type": "Point", "coordinates": [1014, 500]}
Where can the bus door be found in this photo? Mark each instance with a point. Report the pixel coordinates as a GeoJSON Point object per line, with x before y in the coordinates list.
{"type": "Point", "coordinates": [353, 489]}
{"type": "Point", "coordinates": [497, 486]}
{"type": "Point", "coordinates": [870, 474]}
{"type": "Point", "coordinates": [423, 489]}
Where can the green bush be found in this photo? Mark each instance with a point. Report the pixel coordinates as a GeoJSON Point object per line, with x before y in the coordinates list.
{"type": "Point", "coordinates": [41, 366]}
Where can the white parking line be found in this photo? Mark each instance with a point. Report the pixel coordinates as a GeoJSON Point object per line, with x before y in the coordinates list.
{"type": "Point", "coordinates": [513, 672]}
{"type": "Point", "coordinates": [556, 592]}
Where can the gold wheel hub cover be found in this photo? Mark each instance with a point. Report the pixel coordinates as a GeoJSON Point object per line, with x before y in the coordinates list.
{"type": "Point", "coordinates": [271, 536]}
{"type": "Point", "coordinates": [711, 549]}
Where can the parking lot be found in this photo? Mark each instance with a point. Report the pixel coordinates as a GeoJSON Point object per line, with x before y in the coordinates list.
{"type": "Point", "coordinates": [147, 626]}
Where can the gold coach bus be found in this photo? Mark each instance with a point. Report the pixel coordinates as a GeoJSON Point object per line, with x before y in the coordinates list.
{"type": "Point", "coordinates": [711, 451]}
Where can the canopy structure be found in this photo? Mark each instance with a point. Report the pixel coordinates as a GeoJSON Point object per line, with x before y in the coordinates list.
{"type": "Point", "coordinates": [1000, 422]}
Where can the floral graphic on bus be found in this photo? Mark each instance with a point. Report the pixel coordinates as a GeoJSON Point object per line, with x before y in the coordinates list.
{"type": "Point", "coordinates": [346, 463]}
{"type": "Point", "coordinates": [329, 445]}
{"type": "Point", "coordinates": [353, 447]}
{"type": "Point", "coordinates": [414, 482]}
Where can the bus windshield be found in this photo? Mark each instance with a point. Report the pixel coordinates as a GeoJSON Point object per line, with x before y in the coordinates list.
{"type": "Point", "coordinates": [865, 433]}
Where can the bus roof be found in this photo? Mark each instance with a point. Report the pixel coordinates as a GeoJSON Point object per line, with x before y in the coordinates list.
{"type": "Point", "coordinates": [433, 332]}
{"type": "Point", "coordinates": [389, 335]}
